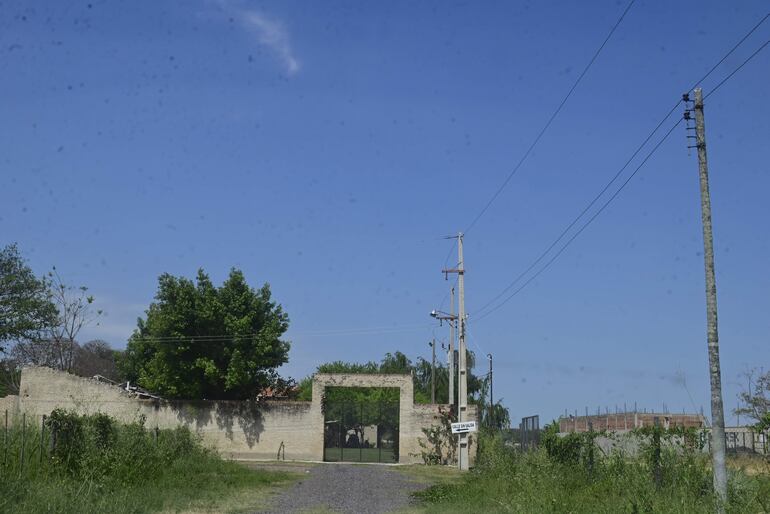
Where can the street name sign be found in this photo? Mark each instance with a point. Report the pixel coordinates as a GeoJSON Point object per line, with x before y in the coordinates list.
{"type": "Point", "coordinates": [464, 427]}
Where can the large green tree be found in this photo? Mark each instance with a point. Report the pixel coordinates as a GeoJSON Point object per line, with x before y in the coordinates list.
{"type": "Point", "coordinates": [26, 309]}
{"type": "Point", "coordinates": [202, 341]}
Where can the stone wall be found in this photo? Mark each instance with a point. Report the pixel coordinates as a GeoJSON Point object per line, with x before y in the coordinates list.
{"type": "Point", "coordinates": [9, 405]}
{"type": "Point", "coordinates": [425, 415]}
{"type": "Point", "coordinates": [242, 430]}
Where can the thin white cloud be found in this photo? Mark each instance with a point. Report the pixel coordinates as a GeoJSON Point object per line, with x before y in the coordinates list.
{"type": "Point", "coordinates": [272, 34]}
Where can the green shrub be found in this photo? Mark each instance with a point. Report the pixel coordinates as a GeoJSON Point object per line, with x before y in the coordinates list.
{"type": "Point", "coordinates": [91, 463]}
{"type": "Point", "coordinates": [571, 474]}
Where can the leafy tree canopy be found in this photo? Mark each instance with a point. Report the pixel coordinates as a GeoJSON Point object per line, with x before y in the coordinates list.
{"type": "Point", "coordinates": [26, 308]}
{"type": "Point", "coordinates": [201, 341]}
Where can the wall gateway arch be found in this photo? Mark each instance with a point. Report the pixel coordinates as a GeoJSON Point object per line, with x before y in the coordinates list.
{"type": "Point", "coordinates": [245, 430]}
{"type": "Point", "coordinates": [367, 432]}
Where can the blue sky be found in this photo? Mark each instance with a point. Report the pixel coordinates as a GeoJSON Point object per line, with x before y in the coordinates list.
{"type": "Point", "coordinates": [327, 147]}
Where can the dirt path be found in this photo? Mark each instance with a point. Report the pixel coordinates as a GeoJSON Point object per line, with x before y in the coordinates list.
{"type": "Point", "coordinates": [347, 488]}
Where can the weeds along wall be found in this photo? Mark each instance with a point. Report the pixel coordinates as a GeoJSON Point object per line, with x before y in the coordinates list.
{"type": "Point", "coordinates": [236, 429]}
{"type": "Point", "coordinates": [245, 430]}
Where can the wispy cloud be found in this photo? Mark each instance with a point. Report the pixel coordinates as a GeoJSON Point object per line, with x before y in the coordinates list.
{"type": "Point", "coordinates": [272, 34]}
{"type": "Point", "coordinates": [267, 31]}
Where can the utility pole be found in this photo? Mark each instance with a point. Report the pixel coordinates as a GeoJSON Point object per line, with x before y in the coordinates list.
{"type": "Point", "coordinates": [717, 408]}
{"type": "Point", "coordinates": [433, 372]}
{"type": "Point", "coordinates": [452, 323]}
{"type": "Point", "coordinates": [462, 401]}
{"type": "Point", "coordinates": [462, 378]}
{"type": "Point", "coordinates": [491, 398]}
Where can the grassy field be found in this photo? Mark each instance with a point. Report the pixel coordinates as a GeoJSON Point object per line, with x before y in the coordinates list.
{"type": "Point", "coordinates": [99, 466]}
{"type": "Point", "coordinates": [507, 481]}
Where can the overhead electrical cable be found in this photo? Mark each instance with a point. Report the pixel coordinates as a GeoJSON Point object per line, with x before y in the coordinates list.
{"type": "Point", "coordinates": [329, 332]}
{"type": "Point", "coordinates": [716, 88]}
{"type": "Point", "coordinates": [617, 192]}
{"type": "Point", "coordinates": [593, 201]}
{"type": "Point", "coordinates": [582, 213]}
{"type": "Point", "coordinates": [585, 225]}
{"type": "Point", "coordinates": [550, 120]}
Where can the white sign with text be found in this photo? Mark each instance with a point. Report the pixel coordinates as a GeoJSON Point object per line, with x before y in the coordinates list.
{"type": "Point", "coordinates": [464, 427]}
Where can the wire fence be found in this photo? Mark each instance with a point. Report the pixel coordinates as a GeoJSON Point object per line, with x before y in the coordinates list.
{"type": "Point", "coordinates": [742, 439]}
{"type": "Point", "coordinates": [26, 445]}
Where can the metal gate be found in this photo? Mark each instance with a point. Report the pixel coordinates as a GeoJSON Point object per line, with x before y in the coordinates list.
{"type": "Point", "coordinates": [361, 432]}
{"type": "Point", "coordinates": [529, 433]}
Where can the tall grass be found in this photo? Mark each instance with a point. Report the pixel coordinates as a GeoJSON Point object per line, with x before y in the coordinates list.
{"type": "Point", "coordinates": [588, 481]}
{"type": "Point", "coordinates": [91, 463]}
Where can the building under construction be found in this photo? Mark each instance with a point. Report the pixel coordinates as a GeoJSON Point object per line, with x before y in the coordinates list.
{"type": "Point", "coordinates": [622, 421]}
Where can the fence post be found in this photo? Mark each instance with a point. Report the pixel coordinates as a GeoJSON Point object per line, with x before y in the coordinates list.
{"type": "Point", "coordinates": [23, 441]}
{"type": "Point", "coordinates": [360, 422]}
{"type": "Point", "coordinates": [379, 435]}
{"type": "Point", "coordinates": [52, 445]}
{"type": "Point", "coordinates": [156, 434]}
{"type": "Point", "coordinates": [342, 437]}
{"type": "Point", "coordinates": [625, 416]}
{"type": "Point", "coordinates": [42, 439]}
{"type": "Point", "coordinates": [5, 440]}
{"type": "Point", "coordinates": [590, 449]}
{"type": "Point", "coordinates": [656, 451]}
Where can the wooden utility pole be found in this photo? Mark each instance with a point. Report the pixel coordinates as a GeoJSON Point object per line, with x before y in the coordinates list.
{"type": "Point", "coordinates": [717, 409]}
{"type": "Point", "coordinates": [452, 324]}
{"type": "Point", "coordinates": [462, 400]}
{"type": "Point", "coordinates": [433, 372]}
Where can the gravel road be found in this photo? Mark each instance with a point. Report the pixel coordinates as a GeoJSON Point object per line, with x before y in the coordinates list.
{"type": "Point", "coordinates": [347, 488]}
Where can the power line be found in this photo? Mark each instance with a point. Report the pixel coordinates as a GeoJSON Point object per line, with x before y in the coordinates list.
{"type": "Point", "coordinates": [451, 250]}
{"type": "Point", "coordinates": [585, 225]}
{"type": "Point", "coordinates": [739, 43]}
{"type": "Point", "coordinates": [582, 213]}
{"type": "Point", "coordinates": [722, 82]}
{"type": "Point", "coordinates": [329, 332]}
{"type": "Point", "coordinates": [200, 337]}
{"type": "Point", "coordinates": [446, 295]}
{"type": "Point", "coordinates": [475, 342]}
{"type": "Point", "coordinates": [633, 156]}
{"type": "Point", "coordinates": [550, 120]}
{"type": "Point", "coordinates": [714, 90]}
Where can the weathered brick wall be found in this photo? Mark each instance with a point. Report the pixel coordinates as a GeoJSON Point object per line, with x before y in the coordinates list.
{"type": "Point", "coordinates": [9, 405]}
{"type": "Point", "coordinates": [242, 430]}
{"type": "Point", "coordinates": [425, 416]}
{"type": "Point", "coordinates": [235, 429]}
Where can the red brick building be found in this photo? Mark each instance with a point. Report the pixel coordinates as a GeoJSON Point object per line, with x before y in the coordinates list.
{"type": "Point", "coordinates": [622, 421]}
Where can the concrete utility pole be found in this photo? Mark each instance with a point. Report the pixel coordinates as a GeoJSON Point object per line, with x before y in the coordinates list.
{"type": "Point", "coordinates": [433, 372]}
{"type": "Point", "coordinates": [462, 378]}
{"type": "Point", "coordinates": [717, 409]}
{"type": "Point", "coordinates": [462, 401]}
{"type": "Point", "coordinates": [452, 349]}
{"type": "Point", "coordinates": [491, 398]}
